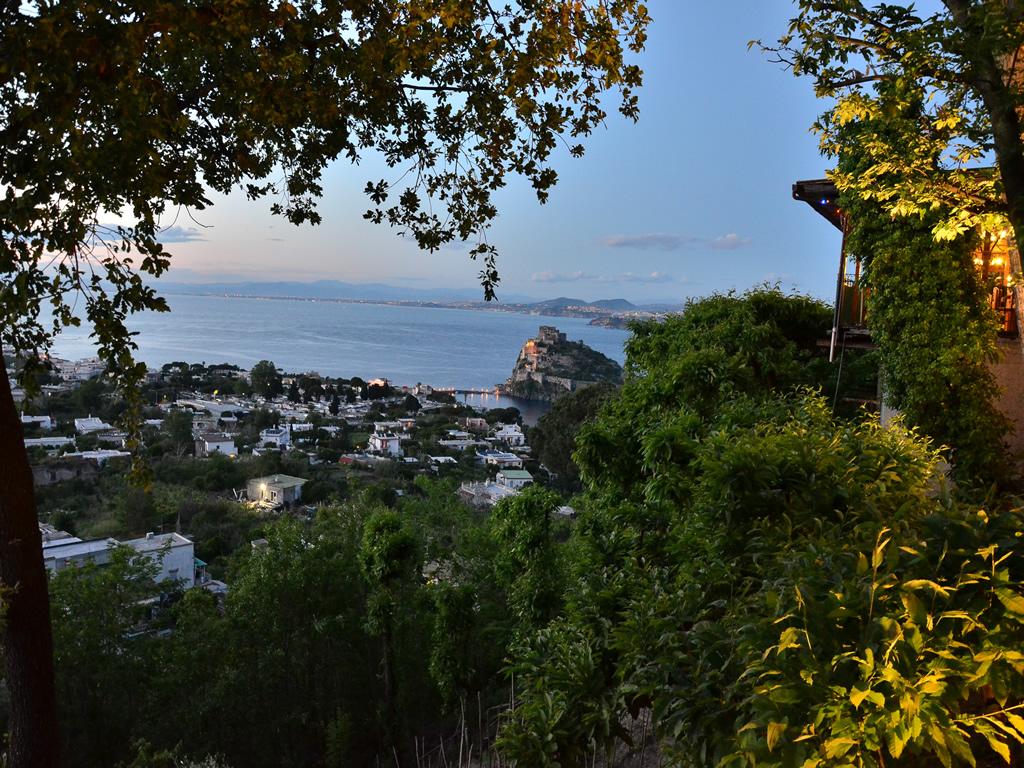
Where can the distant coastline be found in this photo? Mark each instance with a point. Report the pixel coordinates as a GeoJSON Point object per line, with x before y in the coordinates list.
{"type": "Point", "coordinates": [612, 313]}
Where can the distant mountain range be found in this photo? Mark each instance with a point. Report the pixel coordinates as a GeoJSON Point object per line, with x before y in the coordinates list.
{"type": "Point", "coordinates": [380, 292]}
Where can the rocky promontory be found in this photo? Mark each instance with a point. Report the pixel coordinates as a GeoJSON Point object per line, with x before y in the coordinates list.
{"type": "Point", "coordinates": [550, 366]}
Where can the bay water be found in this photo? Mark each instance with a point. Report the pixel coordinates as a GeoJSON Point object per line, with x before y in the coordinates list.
{"type": "Point", "coordinates": [455, 348]}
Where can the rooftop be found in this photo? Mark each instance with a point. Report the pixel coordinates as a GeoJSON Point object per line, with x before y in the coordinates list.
{"type": "Point", "coordinates": [76, 548]}
{"type": "Point", "coordinates": [516, 474]}
{"type": "Point", "coordinates": [152, 542]}
{"type": "Point", "coordinates": [281, 481]}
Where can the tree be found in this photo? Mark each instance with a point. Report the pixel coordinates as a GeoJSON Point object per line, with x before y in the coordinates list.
{"type": "Point", "coordinates": [265, 380]}
{"type": "Point", "coordinates": [961, 66]}
{"type": "Point", "coordinates": [410, 404]}
{"type": "Point", "coordinates": [178, 426]}
{"type": "Point", "coordinates": [771, 584]}
{"type": "Point", "coordinates": [527, 561]}
{"type": "Point", "coordinates": [390, 561]}
{"type": "Point", "coordinates": [146, 109]}
{"type": "Point", "coordinates": [293, 392]}
{"type": "Point", "coordinates": [936, 341]}
{"type": "Point", "coordinates": [554, 437]}
{"type": "Point", "coordinates": [101, 655]}
{"type": "Point", "coordinates": [335, 405]}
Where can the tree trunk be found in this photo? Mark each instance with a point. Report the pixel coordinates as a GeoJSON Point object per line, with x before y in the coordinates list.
{"type": "Point", "coordinates": [28, 641]}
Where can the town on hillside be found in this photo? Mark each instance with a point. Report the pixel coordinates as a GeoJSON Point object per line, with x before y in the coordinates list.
{"type": "Point", "coordinates": [230, 449]}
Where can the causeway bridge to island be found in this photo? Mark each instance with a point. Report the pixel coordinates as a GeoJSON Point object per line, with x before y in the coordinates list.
{"type": "Point", "coordinates": [461, 391]}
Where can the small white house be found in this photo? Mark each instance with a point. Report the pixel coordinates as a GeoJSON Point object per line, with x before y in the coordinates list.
{"type": "Point", "coordinates": [385, 444]}
{"type": "Point", "coordinates": [44, 422]}
{"type": "Point", "coordinates": [48, 442]}
{"type": "Point", "coordinates": [71, 552]}
{"type": "Point", "coordinates": [511, 435]}
{"type": "Point", "coordinates": [514, 478]}
{"type": "Point", "coordinates": [101, 455]}
{"type": "Point", "coordinates": [501, 459]}
{"type": "Point", "coordinates": [278, 437]}
{"type": "Point", "coordinates": [172, 552]}
{"type": "Point", "coordinates": [216, 442]}
{"type": "Point", "coordinates": [91, 424]}
{"type": "Point", "coordinates": [275, 489]}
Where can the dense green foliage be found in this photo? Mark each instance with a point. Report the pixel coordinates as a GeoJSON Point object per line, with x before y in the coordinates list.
{"type": "Point", "coordinates": [929, 315]}
{"type": "Point", "coordinates": [753, 580]}
{"type": "Point", "coordinates": [553, 439]}
{"type": "Point", "coordinates": [775, 587]}
{"type": "Point", "coordinates": [928, 312]}
{"type": "Point", "coordinates": [340, 640]}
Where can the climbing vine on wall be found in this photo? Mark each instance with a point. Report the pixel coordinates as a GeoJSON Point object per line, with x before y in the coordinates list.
{"type": "Point", "coordinates": [936, 335]}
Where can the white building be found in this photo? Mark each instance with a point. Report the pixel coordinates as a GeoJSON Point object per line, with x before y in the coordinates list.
{"type": "Point", "coordinates": [91, 424]}
{"type": "Point", "coordinates": [501, 459]}
{"type": "Point", "coordinates": [514, 478]}
{"type": "Point", "coordinates": [511, 435]}
{"type": "Point", "coordinates": [386, 444]}
{"type": "Point", "coordinates": [275, 489]}
{"type": "Point", "coordinates": [78, 370]}
{"type": "Point", "coordinates": [215, 442]}
{"type": "Point", "coordinates": [172, 552]}
{"type": "Point", "coordinates": [279, 437]}
{"type": "Point", "coordinates": [61, 553]}
{"type": "Point", "coordinates": [101, 456]}
{"type": "Point", "coordinates": [485, 494]}
{"type": "Point", "coordinates": [48, 442]}
{"type": "Point", "coordinates": [44, 422]}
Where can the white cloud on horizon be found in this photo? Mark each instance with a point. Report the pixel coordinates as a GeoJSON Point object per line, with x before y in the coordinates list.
{"type": "Point", "coordinates": [650, 278]}
{"type": "Point", "coordinates": [729, 242]}
{"type": "Point", "coordinates": [651, 241]}
{"type": "Point", "coordinates": [661, 241]}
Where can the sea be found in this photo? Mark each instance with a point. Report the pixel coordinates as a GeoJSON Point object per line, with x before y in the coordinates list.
{"type": "Point", "coordinates": [451, 348]}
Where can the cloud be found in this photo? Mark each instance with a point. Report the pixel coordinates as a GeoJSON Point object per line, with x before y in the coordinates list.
{"type": "Point", "coordinates": [178, 234]}
{"type": "Point", "coordinates": [629, 277]}
{"type": "Point", "coordinates": [558, 277]}
{"type": "Point", "coordinates": [660, 241]}
{"type": "Point", "coordinates": [580, 276]}
{"type": "Point", "coordinates": [729, 242]}
{"type": "Point", "coordinates": [652, 241]}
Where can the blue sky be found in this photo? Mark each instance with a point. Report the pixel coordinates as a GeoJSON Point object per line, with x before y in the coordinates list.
{"type": "Point", "coordinates": [695, 198]}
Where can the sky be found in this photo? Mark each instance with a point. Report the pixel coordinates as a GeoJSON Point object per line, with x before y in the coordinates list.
{"type": "Point", "coordinates": [694, 198]}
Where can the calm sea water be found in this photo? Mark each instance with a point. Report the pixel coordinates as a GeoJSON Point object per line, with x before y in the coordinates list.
{"type": "Point", "coordinates": [441, 347]}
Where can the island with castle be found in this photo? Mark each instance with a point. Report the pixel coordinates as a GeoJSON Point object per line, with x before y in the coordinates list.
{"type": "Point", "coordinates": [550, 366]}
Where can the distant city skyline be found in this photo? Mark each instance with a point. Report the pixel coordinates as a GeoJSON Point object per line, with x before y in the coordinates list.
{"type": "Point", "coordinates": [693, 199]}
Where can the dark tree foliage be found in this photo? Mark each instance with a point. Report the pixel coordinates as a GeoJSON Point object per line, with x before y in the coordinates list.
{"type": "Point", "coordinates": [265, 380]}
{"type": "Point", "coordinates": [553, 439]}
{"type": "Point", "coordinates": [770, 585]}
{"type": "Point", "coordinates": [360, 646]}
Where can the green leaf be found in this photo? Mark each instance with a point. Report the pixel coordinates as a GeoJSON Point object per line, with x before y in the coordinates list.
{"type": "Point", "coordinates": [1012, 601]}
{"type": "Point", "coordinates": [857, 696]}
